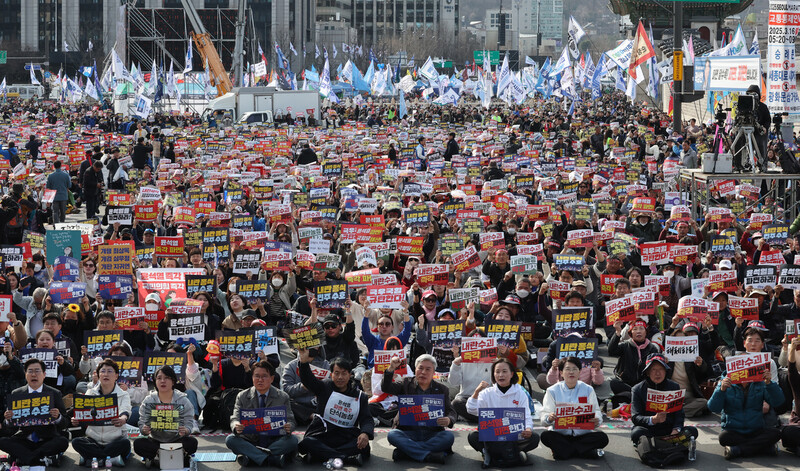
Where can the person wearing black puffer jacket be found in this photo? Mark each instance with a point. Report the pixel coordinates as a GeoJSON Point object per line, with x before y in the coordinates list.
{"type": "Point", "coordinates": [632, 355]}
{"type": "Point", "coordinates": [648, 424]}
{"type": "Point", "coordinates": [341, 343]}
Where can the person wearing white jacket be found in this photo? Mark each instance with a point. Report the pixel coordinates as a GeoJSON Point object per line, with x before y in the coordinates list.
{"type": "Point", "coordinates": [505, 393]}
{"type": "Point", "coordinates": [106, 440]}
{"type": "Point", "coordinates": [569, 443]}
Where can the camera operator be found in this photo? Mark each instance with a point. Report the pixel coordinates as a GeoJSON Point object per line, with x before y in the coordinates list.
{"type": "Point", "coordinates": [764, 119]}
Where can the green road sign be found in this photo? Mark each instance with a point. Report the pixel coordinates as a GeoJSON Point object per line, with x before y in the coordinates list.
{"type": "Point", "coordinates": [3, 57]}
{"type": "Point", "coordinates": [494, 57]}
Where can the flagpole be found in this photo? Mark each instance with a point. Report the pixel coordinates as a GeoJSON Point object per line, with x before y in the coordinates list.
{"type": "Point", "coordinates": [677, 45]}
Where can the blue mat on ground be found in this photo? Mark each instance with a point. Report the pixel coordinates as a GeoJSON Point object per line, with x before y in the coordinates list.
{"type": "Point", "coordinates": [214, 457]}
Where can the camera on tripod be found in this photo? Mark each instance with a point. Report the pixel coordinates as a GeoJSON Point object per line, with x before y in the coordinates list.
{"type": "Point", "coordinates": [746, 111]}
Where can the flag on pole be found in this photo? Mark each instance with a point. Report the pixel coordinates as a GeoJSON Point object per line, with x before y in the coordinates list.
{"type": "Point", "coordinates": [34, 81]}
{"type": "Point", "coordinates": [316, 51]}
{"type": "Point", "coordinates": [291, 48]}
{"type": "Point", "coordinates": [652, 69]}
{"type": "Point", "coordinates": [325, 52]}
{"type": "Point", "coordinates": [304, 51]}
{"type": "Point", "coordinates": [188, 67]}
{"type": "Point", "coordinates": [754, 48]}
{"type": "Point", "coordinates": [325, 80]}
{"type": "Point", "coordinates": [91, 46]}
{"type": "Point", "coordinates": [642, 50]}
{"type": "Point", "coordinates": [574, 33]}
{"type": "Point", "coordinates": [91, 90]}
{"type": "Point", "coordinates": [261, 53]}
{"type": "Point", "coordinates": [335, 52]}
{"type": "Point", "coordinates": [3, 87]}
{"type": "Point", "coordinates": [563, 63]}
{"type": "Point", "coordinates": [66, 47]}
{"type": "Point", "coordinates": [401, 108]}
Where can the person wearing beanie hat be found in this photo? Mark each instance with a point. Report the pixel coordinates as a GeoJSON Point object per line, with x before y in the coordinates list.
{"type": "Point", "coordinates": [745, 430]}
{"type": "Point", "coordinates": [632, 354]}
{"type": "Point", "coordinates": [647, 424]}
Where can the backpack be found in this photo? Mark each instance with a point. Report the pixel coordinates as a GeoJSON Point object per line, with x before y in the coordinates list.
{"type": "Point", "coordinates": [658, 453]}
{"type": "Point", "coordinates": [502, 455]}
{"type": "Point", "coordinates": [219, 408]}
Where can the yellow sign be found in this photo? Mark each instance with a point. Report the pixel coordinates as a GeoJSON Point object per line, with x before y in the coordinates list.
{"type": "Point", "coordinates": [677, 66]}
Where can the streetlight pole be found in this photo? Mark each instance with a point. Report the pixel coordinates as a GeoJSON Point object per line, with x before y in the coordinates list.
{"type": "Point", "coordinates": [677, 65]}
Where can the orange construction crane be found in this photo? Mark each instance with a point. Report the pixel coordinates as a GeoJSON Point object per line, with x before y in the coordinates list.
{"type": "Point", "coordinates": [208, 53]}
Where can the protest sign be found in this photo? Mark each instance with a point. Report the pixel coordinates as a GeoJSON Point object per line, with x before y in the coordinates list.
{"type": "Point", "coordinates": [524, 264]}
{"type": "Point", "coordinates": [47, 355]}
{"type": "Point", "coordinates": [775, 234]}
{"type": "Point", "coordinates": [195, 283]}
{"type": "Point", "coordinates": [491, 240]}
{"type": "Point", "coordinates": [361, 278]}
{"type": "Point", "coordinates": [418, 216]}
{"type": "Point", "coordinates": [330, 294]}
{"type": "Point", "coordinates": [268, 420]}
{"type": "Point", "coordinates": [119, 214]}
{"type": "Point", "coordinates": [574, 417]}
{"type": "Point", "coordinates": [251, 290]}
{"type": "Point", "coordinates": [461, 297]}
{"type": "Point", "coordinates": [30, 409]}
{"type": "Point", "coordinates": [66, 269]}
{"type": "Point", "coordinates": [722, 246]}
{"type": "Point", "coordinates": [153, 361]}
{"type": "Point", "coordinates": [5, 307]}
{"type": "Point", "coordinates": [505, 332]}
{"type": "Point", "coordinates": [558, 289]}
{"type": "Point", "coordinates": [98, 343]}
{"type": "Point", "coordinates": [95, 410]}
{"type": "Point", "coordinates": [654, 253]}
{"type": "Point", "coordinates": [664, 401]}
{"type": "Point", "coordinates": [580, 238]}
{"type": "Point", "coordinates": [572, 319]}
{"type": "Point", "coordinates": [62, 243]}
{"type": "Point", "coordinates": [420, 410]}
{"type": "Point", "coordinates": [478, 349]}
{"type": "Point", "coordinates": [644, 303]}
{"type": "Point", "coordinates": [248, 262]}
{"type": "Point", "coordinates": [570, 262]}
{"type": "Point", "coordinates": [790, 277]}
{"type": "Point", "coordinates": [429, 274]}
{"type": "Point", "coordinates": [237, 345]}
{"type": "Point", "coordinates": [746, 308]}
{"type": "Point", "coordinates": [583, 349]}
{"type": "Point", "coordinates": [620, 310]}
{"type": "Point", "coordinates": [114, 286]}
{"type": "Point", "coordinates": [128, 318]}
{"type": "Point", "coordinates": [722, 280]}
{"type": "Point", "coordinates": [748, 368]}
{"type": "Point", "coordinates": [386, 296]}
{"type": "Point", "coordinates": [410, 245]}
{"type": "Point", "coordinates": [130, 370]}
{"type": "Point", "coordinates": [165, 418]}
{"type": "Point", "coordinates": [693, 308]}
{"type": "Point", "coordinates": [445, 334]}
{"type": "Point", "coordinates": [186, 326]}
{"type": "Point", "coordinates": [500, 424]}
{"type": "Point", "coordinates": [365, 257]}
{"type": "Point", "coordinates": [466, 259]}
{"type": "Point", "coordinates": [760, 276]}
{"type": "Point", "coordinates": [607, 284]}
{"type": "Point", "coordinates": [305, 337]}
{"type": "Point", "coordinates": [772, 257]}
{"type": "Point", "coordinates": [383, 358]}
{"type": "Point", "coordinates": [681, 349]}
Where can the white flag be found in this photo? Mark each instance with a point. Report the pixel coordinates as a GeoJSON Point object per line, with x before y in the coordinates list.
{"type": "Point", "coordinates": [563, 63]}
{"type": "Point", "coordinates": [503, 77]}
{"type": "Point", "coordinates": [91, 90]}
{"type": "Point", "coordinates": [575, 33]}
{"type": "Point", "coordinates": [428, 70]}
{"type": "Point", "coordinates": [66, 47]}
{"type": "Point", "coordinates": [34, 81]}
{"type": "Point", "coordinates": [91, 46]}
{"type": "Point", "coordinates": [325, 80]}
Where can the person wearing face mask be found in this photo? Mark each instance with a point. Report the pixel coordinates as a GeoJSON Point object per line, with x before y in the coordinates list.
{"type": "Point", "coordinates": [642, 226]}
{"type": "Point", "coordinates": [280, 299]}
{"type": "Point", "coordinates": [632, 354]}
{"type": "Point", "coordinates": [39, 271]}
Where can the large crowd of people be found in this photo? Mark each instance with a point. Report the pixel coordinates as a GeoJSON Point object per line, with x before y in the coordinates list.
{"type": "Point", "coordinates": [456, 264]}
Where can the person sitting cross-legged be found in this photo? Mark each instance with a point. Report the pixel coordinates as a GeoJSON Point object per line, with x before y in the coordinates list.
{"type": "Point", "coordinates": [261, 449]}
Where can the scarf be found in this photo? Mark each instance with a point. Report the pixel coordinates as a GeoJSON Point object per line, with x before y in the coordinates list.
{"type": "Point", "coordinates": [641, 347]}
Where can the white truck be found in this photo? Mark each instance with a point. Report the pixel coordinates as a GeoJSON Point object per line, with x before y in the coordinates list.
{"type": "Point", "coordinates": [253, 105]}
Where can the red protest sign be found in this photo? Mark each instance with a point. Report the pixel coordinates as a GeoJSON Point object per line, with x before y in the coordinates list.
{"type": "Point", "coordinates": [746, 308]}
{"type": "Point", "coordinates": [748, 368]}
{"type": "Point", "coordinates": [465, 259]}
{"type": "Point", "coordinates": [169, 247]}
{"type": "Point", "coordinates": [664, 401]}
{"type": "Point", "coordinates": [432, 274]}
{"type": "Point", "coordinates": [722, 280]}
{"type": "Point", "coordinates": [621, 310]}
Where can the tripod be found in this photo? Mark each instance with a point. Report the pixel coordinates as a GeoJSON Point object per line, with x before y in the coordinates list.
{"type": "Point", "coordinates": [749, 162]}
